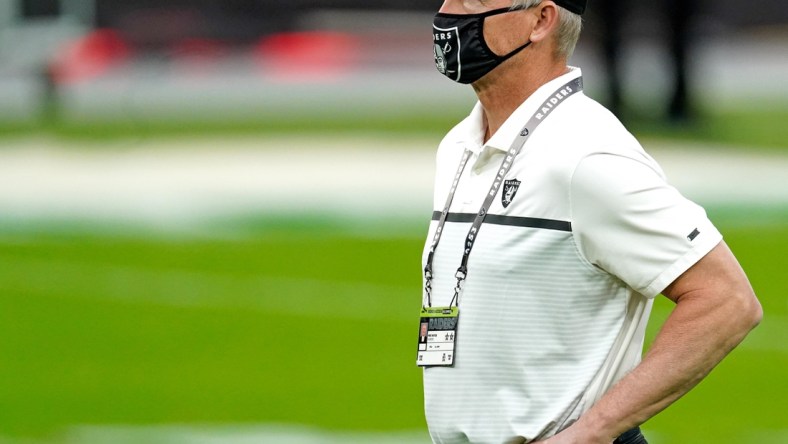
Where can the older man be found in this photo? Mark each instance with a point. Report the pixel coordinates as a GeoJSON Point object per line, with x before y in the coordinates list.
{"type": "Point", "coordinates": [552, 233]}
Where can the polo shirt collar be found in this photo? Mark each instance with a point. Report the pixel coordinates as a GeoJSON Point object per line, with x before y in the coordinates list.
{"type": "Point", "coordinates": [502, 139]}
{"type": "Point", "coordinates": [474, 130]}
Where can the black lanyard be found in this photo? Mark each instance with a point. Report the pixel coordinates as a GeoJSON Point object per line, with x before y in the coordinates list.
{"type": "Point", "coordinates": [558, 97]}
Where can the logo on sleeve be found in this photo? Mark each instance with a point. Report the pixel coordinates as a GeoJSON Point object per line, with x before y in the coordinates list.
{"type": "Point", "coordinates": [509, 190]}
{"type": "Point", "coordinates": [691, 237]}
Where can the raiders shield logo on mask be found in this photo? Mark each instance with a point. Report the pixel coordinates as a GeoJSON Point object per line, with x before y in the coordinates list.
{"type": "Point", "coordinates": [509, 190]}
{"type": "Point", "coordinates": [447, 55]}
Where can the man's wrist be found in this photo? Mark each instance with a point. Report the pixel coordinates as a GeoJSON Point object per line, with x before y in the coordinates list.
{"type": "Point", "coordinates": [597, 427]}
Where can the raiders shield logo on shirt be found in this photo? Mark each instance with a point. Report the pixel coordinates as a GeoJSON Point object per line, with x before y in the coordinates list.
{"type": "Point", "coordinates": [509, 190]}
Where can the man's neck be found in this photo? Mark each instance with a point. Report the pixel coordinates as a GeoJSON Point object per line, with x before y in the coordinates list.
{"type": "Point", "coordinates": [501, 93]}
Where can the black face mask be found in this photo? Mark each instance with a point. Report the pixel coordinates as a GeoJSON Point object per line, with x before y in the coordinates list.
{"type": "Point", "coordinates": [461, 53]}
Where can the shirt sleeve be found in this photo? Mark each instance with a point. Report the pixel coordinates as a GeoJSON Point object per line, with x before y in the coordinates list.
{"type": "Point", "coordinates": [628, 221]}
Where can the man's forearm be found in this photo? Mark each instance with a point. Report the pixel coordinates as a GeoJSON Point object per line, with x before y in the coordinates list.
{"type": "Point", "coordinates": [694, 339]}
{"type": "Point", "coordinates": [715, 309]}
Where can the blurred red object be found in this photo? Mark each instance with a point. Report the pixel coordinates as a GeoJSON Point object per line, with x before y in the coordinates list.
{"type": "Point", "coordinates": [308, 56]}
{"type": "Point", "coordinates": [89, 56]}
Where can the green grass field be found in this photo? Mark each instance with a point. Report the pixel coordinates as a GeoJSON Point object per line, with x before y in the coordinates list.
{"type": "Point", "coordinates": [288, 325]}
{"type": "Point", "coordinates": [305, 321]}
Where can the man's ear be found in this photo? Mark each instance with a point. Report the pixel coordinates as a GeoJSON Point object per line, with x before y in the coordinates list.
{"type": "Point", "coordinates": [546, 21]}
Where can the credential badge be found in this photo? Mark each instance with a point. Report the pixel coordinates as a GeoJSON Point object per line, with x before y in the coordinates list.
{"type": "Point", "coordinates": [509, 190]}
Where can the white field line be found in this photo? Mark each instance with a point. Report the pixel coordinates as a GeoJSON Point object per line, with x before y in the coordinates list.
{"type": "Point", "coordinates": [184, 181]}
{"type": "Point", "coordinates": [770, 336]}
{"type": "Point", "coordinates": [763, 437]}
{"type": "Point", "coordinates": [272, 434]}
{"type": "Point", "coordinates": [165, 181]}
{"type": "Point", "coordinates": [182, 434]}
{"type": "Point", "coordinates": [300, 296]}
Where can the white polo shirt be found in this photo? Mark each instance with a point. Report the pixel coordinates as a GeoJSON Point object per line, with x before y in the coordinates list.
{"type": "Point", "coordinates": [561, 279]}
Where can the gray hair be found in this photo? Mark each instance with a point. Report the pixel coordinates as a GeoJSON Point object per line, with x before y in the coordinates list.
{"type": "Point", "coordinates": [569, 27]}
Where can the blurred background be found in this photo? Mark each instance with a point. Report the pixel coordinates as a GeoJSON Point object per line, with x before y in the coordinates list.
{"type": "Point", "coordinates": [212, 212]}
